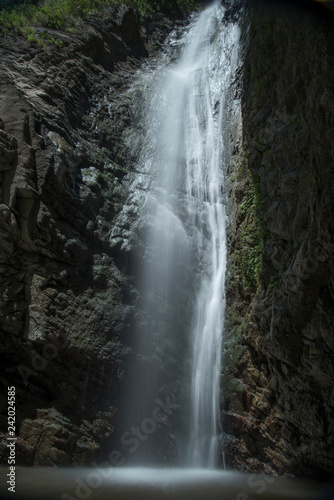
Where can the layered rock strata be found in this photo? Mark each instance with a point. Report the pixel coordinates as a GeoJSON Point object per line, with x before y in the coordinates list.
{"type": "Point", "coordinates": [66, 292]}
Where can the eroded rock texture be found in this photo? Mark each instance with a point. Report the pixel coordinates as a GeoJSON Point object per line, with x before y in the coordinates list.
{"type": "Point", "coordinates": [66, 295]}
{"type": "Point", "coordinates": [279, 410]}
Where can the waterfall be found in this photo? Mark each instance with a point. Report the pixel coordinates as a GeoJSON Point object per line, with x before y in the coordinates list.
{"type": "Point", "coordinates": [207, 112]}
{"type": "Point", "coordinates": [186, 113]}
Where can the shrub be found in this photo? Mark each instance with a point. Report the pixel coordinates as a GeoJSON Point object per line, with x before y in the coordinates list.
{"type": "Point", "coordinates": [65, 14]}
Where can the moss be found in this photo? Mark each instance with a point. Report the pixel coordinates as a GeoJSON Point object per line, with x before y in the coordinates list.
{"type": "Point", "coordinates": [68, 14]}
{"type": "Point", "coordinates": [233, 350]}
{"type": "Point", "coordinates": [272, 285]}
{"type": "Point", "coordinates": [314, 181]}
{"type": "Point", "coordinates": [251, 231]}
{"type": "Point", "coordinates": [266, 160]}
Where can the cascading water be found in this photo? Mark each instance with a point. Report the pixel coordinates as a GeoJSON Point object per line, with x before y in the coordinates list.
{"type": "Point", "coordinates": [207, 136]}
{"type": "Point", "coordinates": [183, 159]}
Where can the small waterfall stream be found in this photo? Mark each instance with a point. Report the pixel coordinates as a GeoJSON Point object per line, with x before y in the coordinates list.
{"type": "Point", "coordinates": [186, 114]}
{"type": "Point", "coordinates": [209, 63]}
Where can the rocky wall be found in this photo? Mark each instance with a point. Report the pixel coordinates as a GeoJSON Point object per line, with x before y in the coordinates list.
{"type": "Point", "coordinates": [278, 406]}
{"type": "Point", "coordinates": [67, 294]}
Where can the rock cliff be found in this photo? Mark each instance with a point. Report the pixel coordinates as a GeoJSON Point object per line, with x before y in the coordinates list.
{"type": "Point", "coordinates": [66, 295]}
{"type": "Point", "coordinates": [278, 413]}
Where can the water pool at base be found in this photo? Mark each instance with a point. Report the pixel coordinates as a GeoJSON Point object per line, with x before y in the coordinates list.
{"type": "Point", "coordinates": [140, 483]}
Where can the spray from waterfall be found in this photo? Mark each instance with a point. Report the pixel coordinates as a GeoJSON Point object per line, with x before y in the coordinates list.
{"type": "Point", "coordinates": [187, 119]}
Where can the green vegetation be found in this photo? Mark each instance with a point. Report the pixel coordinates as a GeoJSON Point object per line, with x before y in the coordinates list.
{"type": "Point", "coordinates": [266, 160]}
{"type": "Point", "coordinates": [252, 229]}
{"type": "Point", "coordinates": [315, 181]}
{"type": "Point", "coordinates": [233, 351]}
{"type": "Point", "coordinates": [68, 14]}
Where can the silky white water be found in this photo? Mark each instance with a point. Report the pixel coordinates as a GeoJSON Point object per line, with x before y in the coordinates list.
{"type": "Point", "coordinates": [207, 67]}
{"type": "Point", "coordinates": [187, 116]}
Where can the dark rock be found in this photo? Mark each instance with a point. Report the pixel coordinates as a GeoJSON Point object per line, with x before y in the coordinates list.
{"type": "Point", "coordinates": [131, 34]}
{"type": "Point", "coordinates": [66, 304]}
{"type": "Point", "coordinates": [282, 330]}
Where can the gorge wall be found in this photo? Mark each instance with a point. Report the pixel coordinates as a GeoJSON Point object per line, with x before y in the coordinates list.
{"type": "Point", "coordinates": [278, 412]}
{"type": "Point", "coordinates": [67, 294]}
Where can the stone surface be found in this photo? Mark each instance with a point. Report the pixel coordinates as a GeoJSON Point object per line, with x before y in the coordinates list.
{"type": "Point", "coordinates": [65, 293]}
{"type": "Point", "coordinates": [280, 316]}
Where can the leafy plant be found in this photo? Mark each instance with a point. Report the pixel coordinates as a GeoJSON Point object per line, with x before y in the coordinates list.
{"type": "Point", "coordinates": [252, 230]}
{"type": "Point", "coordinates": [67, 14]}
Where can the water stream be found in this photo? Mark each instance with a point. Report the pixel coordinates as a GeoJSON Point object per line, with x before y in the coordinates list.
{"type": "Point", "coordinates": [186, 115]}
{"type": "Point", "coordinates": [208, 65]}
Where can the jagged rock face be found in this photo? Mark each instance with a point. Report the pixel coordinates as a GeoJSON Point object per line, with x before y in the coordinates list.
{"type": "Point", "coordinates": [66, 300]}
{"type": "Point", "coordinates": [280, 402]}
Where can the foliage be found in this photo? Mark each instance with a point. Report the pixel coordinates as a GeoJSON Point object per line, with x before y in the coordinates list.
{"type": "Point", "coordinates": [233, 351]}
{"type": "Point", "coordinates": [252, 230]}
{"type": "Point", "coordinates": [66, 14]}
